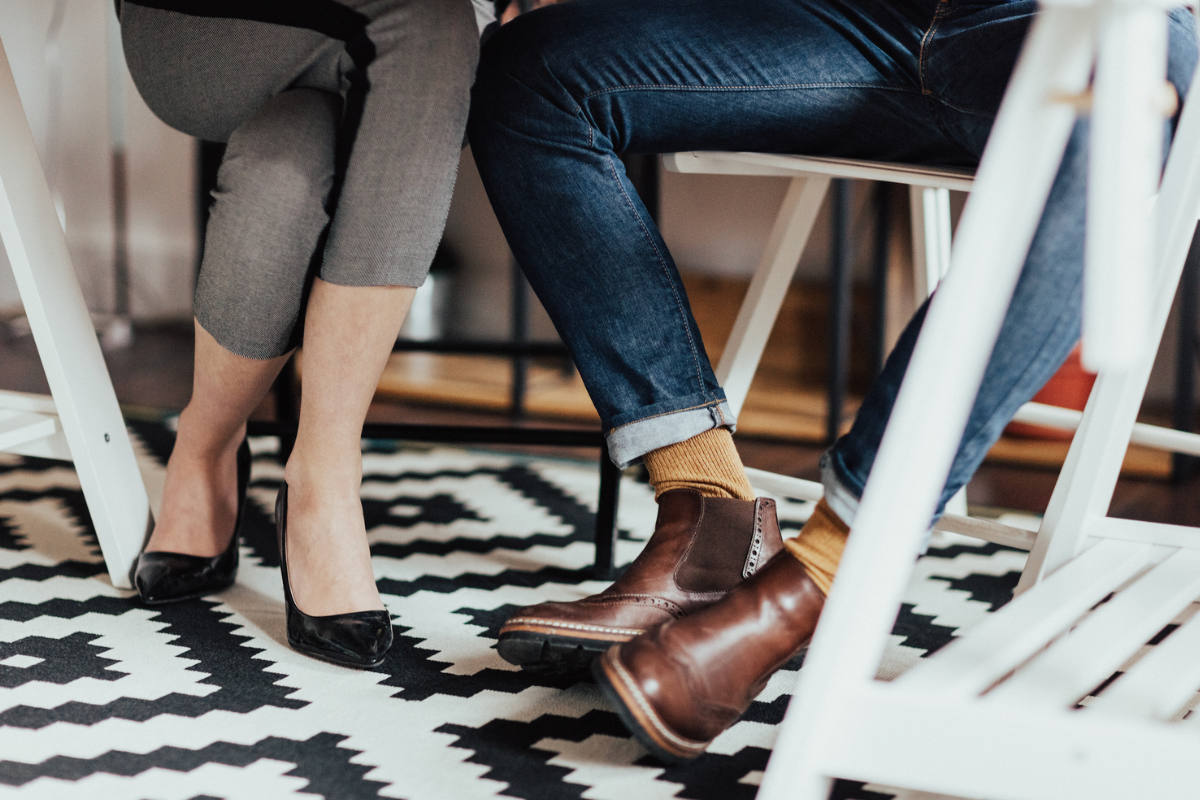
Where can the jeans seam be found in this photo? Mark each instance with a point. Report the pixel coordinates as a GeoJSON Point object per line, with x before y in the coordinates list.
{"type": "Point", "coordinates": [647, 87]}
{"type": "Point", "coordinates": [663, 265]}
{"type": "Point", "coordinates": [922, 61]}
{"type": "Point", "coordinates": [962, 109]}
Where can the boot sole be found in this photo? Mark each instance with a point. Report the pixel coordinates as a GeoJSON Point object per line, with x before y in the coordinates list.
{"type": "Point", "coordinates": [637, 715]}
{"type": "Point", "coordinates": [550, 654]}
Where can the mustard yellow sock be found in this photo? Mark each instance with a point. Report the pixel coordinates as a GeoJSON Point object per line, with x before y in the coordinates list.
{"type": "Point", "coordinates": [819, 545]}
{"type": "Point", "coordinates": [708, 462]}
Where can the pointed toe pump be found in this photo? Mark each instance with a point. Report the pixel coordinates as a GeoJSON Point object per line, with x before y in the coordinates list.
{"type": "Point", "coordinates": [358, 639]}
{"type": "Point", "coordinates": [171, 577]}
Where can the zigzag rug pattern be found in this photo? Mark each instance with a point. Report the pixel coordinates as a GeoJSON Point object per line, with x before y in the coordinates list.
{"type": "Point", "coordinates": [100, 697]}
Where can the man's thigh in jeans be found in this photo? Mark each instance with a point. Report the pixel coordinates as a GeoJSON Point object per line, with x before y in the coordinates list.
{"type": "Point", "coordinates": [824, 77]}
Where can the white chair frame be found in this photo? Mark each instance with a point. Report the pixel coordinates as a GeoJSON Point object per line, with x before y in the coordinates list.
{"type": "Point", "coordinates": [80, 421]}
{"type": "Point", "coordinates": [992, 715]}
{"type": "Point", "coordinates": [929, 193]}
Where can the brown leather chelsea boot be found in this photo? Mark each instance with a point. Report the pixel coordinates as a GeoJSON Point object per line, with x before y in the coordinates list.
{"type": "Point", "coordinates": [680, 685]}
{"type": "Point", "coordinates": [701, 548]}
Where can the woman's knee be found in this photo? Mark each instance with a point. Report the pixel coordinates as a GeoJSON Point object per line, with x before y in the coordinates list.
{"type": "Point", "coordinates": [281, 160]}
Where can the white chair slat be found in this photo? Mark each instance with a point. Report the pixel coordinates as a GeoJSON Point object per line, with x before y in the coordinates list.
{"type": "Point", "coordinates": [987, 751]}
{"type": "Point", "coordinates": [1161, 682]}
{"type": "Point", "coordinates": [1009, 637]}
{"type": "Point", "coordinates": [20, 427]}
{"type": "Point", "coordinates": [1106, 639]}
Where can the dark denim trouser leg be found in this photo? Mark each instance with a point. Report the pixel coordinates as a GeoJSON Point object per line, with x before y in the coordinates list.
{"type": "Point", "coordinates": [562, 91]}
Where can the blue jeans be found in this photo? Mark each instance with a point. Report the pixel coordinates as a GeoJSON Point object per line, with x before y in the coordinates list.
{"type": "Point", "coordinates": [561, 91]}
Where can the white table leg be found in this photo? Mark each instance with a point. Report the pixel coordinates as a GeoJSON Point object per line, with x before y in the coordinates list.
{"type": "Point", "coordinates": [66, 342]}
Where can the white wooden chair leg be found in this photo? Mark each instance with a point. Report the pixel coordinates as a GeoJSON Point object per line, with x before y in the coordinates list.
{"type": "Point", "coordinates": [66, 342]}
{"type": "Point", "coordinates": [771, 279]}
{"type": "Point", "coordinates": [932, 408]}
{"type": "Point", "coordinates": [1089, 476]}
{"type": "Point", "coordinates": [931, 235]}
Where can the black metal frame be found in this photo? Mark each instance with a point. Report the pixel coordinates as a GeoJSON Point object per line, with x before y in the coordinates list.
{"type": "Point", "coordinates": [610, 476]}
{"type": "Point", "coordinates": [1184, 466]}
{"type": "Point", "coordinates": [841, 270]}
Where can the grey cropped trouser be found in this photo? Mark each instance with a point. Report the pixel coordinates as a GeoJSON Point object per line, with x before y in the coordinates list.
{"type": "Point", "coordinates": [344, 122]}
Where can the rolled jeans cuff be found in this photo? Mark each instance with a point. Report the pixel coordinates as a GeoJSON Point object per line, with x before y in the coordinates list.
{"type": "Point", "coordinates": [628, 443]}
{"type": "Point", "coordinates": [839, 496]}
{"type": "Point", "coordinates": [843, 500]}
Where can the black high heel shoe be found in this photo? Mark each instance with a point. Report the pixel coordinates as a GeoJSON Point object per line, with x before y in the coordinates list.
{"type": "Point", "coordinates": [171, 577]}
{"type": "Point", "coordinates": [358, 639]}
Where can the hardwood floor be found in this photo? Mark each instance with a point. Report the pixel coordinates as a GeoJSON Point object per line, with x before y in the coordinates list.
{"type": "Point", "coordinates": [155, 374]}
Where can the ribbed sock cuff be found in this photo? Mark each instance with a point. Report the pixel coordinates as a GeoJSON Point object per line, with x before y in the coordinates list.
{"type": "Point", "coordinates": [708, 462]}
{"type": "Point", "coordinates": [819, 545]}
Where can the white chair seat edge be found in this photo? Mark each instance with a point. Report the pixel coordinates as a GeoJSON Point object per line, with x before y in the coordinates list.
{"type": "Point", "coordinates": [718, 163]}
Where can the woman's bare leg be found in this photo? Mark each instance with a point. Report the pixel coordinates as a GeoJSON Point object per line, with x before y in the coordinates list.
{"type": "Point", "coordinates": [348, 335]}
{"type": "Point", "coordinates": [199, 503]}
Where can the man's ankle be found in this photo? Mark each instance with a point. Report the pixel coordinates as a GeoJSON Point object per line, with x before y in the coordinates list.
{"type": "Point", "coordinates": [708, 463]}
{"type": "Point", "coordinates": [819, 545]}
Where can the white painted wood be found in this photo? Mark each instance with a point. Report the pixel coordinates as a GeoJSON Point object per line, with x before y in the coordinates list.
{"type": "Point", "coordinates": [969, 665]}
{"type": "Point", "coordinates": [1123, 176]}
{"type": "Point", "coordinates": [54, 447]}
{"type": "Point", "coordinates": [933, 404]}
{"type": "Point", "coordinates": [66, 342]}
{"type": "Point", "coordinates": [718, 163]}
{"type": "Point", "coordinates": [991, 752]}
{"type": "Point", "coordinates": [1143, 434]}
{"type": "Point", "coordinates": [781, 256]}
{"type": "Point", "coordinates": [1104, 641]}
{"type": "Point", "coordinates": [1160, 683]}
{"type": "Point", "coordinates": [784, 486]}
{"type": "Point", "coordinates": [920, 245]}
{"type": "Point", "coordinates": [987, 530]}
{"type": "Point", "coordinates": [1085, 485]}
{"type": "Point", "coordinates": [27, 401]}
{"type": "Point", "coordinates": [20, 427]}
{"type": "Point", "coordinates": [930, 730]}
{"type": "Point", "coordinates": [957, 504]}
{"type": "Point", "coordinates": [929, 215]}
{"type": "Point", "coordinates": [931, 236]}
{"type": "Point", "coordinates": [1132, 530]}
{"type": "Point", "coordinates": [800, 489]}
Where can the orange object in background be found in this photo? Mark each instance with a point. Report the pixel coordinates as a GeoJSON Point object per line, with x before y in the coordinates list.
{"type": "Point", "coordinates": [1067, 388]}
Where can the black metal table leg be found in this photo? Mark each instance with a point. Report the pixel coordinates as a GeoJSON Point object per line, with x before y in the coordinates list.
{"type": "Point", "coordinates": [287, 407]}
{"type": "Point", "coordinates": [879, 277]}
{"type": "Point", "coordinates": [1182, 466]}
{"type": "Point", "coordinates": [839, 307]}
{"type": "Point", "coordinates": [606, 518]}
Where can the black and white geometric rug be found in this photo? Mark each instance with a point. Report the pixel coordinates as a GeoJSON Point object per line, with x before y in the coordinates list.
{"type": "Point", "coordinates": [102, 698]}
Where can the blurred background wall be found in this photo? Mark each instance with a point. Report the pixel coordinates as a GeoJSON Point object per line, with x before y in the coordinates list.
{"type": "Point", "coordinates": [69, 70]}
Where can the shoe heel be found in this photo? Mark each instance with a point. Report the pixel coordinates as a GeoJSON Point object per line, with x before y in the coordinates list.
{"type": "Point", "coordinates": [359, 639]}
